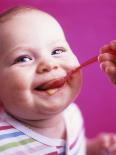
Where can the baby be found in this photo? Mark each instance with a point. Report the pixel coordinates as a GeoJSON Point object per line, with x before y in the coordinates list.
{"type": "Point", "coordinates": [37, 89]}
{"type": "Point", "coordinates": [35, 56]}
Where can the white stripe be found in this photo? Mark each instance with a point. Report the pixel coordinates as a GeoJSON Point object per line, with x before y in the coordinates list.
{"type": "Point", "coordinates": [76, 136]}
{"type": "Point", "coordinates": [46, 150]}
{"type": "Point", "coordinates": [73, 120]}
{"type": "Point", "coordinates": [78, 147]}
{"type": "Point", "coordinates": [4, 124]}
{"type": "Point", "coordinates": [8, 131]}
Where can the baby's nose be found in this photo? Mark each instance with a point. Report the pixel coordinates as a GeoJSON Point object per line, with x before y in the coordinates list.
{"type": "Point", "coordinates": [46, 66]}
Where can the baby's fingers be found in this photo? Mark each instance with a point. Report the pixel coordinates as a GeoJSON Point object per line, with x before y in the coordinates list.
{"type": "Point", "coordinates": [113, 144]}
{"type": "Point", "coordinates": [105, 140]}
{"type": "Point", "coordinates": [109, 48]}
{"type": "Point", "coordinates": [106, 49]}
{"type": "Point", "coordinates": [113, 45]}
{"type": "Point", "coordinates": [107, 57]}
{"type": "Point", "coordinates": [108, 144]}
{"type": "Point", "coordinates": [110, 69]}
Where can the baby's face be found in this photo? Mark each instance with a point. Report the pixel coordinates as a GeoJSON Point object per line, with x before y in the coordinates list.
{"type": "Point", "coordinates": [34, 51]}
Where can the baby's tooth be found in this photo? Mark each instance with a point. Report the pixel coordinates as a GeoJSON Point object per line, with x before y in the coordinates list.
{"type": "Point", "coordinates": [51, 91]}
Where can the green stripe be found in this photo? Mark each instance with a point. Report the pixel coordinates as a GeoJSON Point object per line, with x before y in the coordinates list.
{"type": "Point", "coordinates": [15, 144]}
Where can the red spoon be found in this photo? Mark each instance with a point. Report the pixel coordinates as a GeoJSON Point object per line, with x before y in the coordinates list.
{"type": "Point", "coordinates": [86, 63]}
{"type": "Point", "coordinates": [59, 82]}
{"type": "Point", "coordinates": [90, 61]}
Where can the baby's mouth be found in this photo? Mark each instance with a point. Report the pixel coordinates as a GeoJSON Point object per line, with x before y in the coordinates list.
{"type": "Point", "coordinates": [51, 86]}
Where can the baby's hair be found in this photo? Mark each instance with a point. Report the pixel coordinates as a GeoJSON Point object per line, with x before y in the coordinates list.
{"type": "Point", "coordinates": [8, 14]}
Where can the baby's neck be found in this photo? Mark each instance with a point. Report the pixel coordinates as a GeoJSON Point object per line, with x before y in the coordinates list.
{"type": "Point", "coordinates": [52, 128]}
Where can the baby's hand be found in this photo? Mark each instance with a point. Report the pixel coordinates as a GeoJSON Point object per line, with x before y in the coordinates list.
{"type": "Point", "coordinates": [104, 144]}
{"type": "Point", "coordinates": [108, 60]}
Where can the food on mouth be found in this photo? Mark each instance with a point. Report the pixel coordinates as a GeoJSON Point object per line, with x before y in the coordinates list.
{"type": "Point", "coordinates": [51, 91]}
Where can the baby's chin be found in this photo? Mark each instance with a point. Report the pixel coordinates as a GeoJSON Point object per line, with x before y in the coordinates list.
{"type": "Point", "coordinates": [39, 112]}
{"type": "Point", "coordinates": [44, 114]}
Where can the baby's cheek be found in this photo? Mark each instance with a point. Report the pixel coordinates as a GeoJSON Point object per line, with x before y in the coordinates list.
{"type": "Point", "coordinates": [73, 63]}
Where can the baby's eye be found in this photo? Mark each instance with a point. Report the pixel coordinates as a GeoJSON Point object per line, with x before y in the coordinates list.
{"type": "Point", "coordinates": [57, 51]}
{"type": "Point", "coordinates": [22, 59]}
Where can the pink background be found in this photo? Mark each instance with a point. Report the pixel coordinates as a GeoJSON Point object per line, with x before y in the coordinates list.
{"type": "Point", "coordinates": [88, 25]}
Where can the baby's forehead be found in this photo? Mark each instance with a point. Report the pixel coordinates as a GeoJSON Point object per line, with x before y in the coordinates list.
{"type": "Point", "coordinates": [22, 15]}
{"type": "Point", "coordinates": [14, 12]}
{"type": "Point", "coordinates": [34, 24]}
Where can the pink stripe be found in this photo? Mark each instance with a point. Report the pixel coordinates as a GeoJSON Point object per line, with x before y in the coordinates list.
{"type": "Point", "coordinates": [59, 147]}
{"type": "Point", "coordinates": [73, 144]}
{"type": "Point", "coordinates": [5, 127]}
{"type": "Point", "coordinates": [52, 153]}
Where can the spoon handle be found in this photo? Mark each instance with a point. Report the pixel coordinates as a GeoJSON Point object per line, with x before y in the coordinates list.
{"type": "Point", "coordinates": [92, 60]}
{"type": "Point", "coordinates": [89, 61]}
{"type": "Point", "coordinates": [86, 63]}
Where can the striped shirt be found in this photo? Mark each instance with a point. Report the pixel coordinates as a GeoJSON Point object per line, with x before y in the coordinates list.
{"type": "Point", "coordinates": [18, 139]}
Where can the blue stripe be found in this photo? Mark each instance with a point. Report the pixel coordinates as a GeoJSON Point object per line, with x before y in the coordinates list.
{"type": "Point", "coordinates": [10, 135]}
{"type": "Point", "coordinates": [63, 153]}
